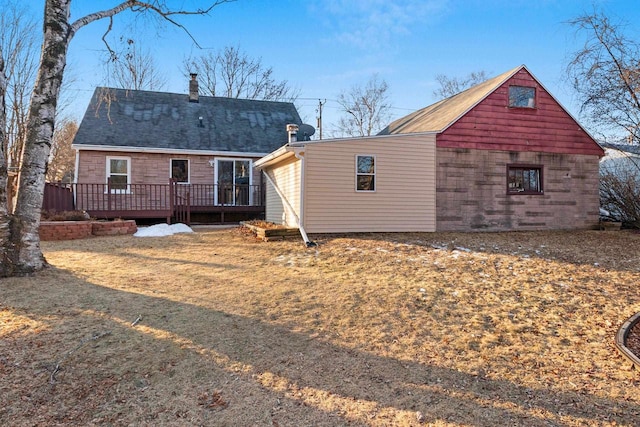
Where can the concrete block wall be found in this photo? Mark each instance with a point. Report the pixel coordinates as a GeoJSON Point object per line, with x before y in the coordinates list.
{"type": "Point", "coordinates": [471, 191]}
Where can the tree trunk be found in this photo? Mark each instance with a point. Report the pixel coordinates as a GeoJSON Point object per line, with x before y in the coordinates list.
{"type": "Point", "coordinates": [6, 251]}
{"type": "Point", "coordinates": [20, 251]}
{"type": "Point", "coordinates": [20, 238]}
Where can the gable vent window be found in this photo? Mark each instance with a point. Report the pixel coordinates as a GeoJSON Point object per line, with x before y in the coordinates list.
{"type": "Point", "coordinates": [522, 97]}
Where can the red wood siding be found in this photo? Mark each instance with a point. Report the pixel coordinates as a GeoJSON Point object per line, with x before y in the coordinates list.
{"type": "Point", "coordinates": [492, 125]}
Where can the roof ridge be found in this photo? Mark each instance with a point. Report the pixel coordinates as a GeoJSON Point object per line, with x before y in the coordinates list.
{"type": "Point", "coordinates": [466, 100]}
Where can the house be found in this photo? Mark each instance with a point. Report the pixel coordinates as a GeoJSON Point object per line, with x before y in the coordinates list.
{"type": "Point", "coordinates": [502, 155]}
{"type": "Point", "coordinates": [620, 184]}
{"type": "Point", "coordinates": [620, 159]}
{"type": "Point", "coordinates": [132, 143]}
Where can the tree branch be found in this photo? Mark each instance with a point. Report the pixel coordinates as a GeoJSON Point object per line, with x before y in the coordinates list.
{"type": "Point", "coordinates": [141, 6]}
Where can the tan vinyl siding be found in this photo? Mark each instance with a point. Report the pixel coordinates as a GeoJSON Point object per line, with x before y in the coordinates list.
{"type": "Point", "coordinates": [274, 210]}
{"type": "Point", "coordinates": [287, 177]}
{"type": "Point", "coordinates": [404, 198]}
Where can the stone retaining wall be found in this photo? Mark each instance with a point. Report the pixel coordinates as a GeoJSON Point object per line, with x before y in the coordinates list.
{"type": "Point", "coordinates": [70, 230]}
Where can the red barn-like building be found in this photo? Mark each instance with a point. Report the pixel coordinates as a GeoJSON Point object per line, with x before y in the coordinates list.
{"type": "Point", "coordinates": [502, 155]}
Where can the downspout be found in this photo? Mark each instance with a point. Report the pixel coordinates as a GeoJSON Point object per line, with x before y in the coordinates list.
{"type": "Point", "coordinates": [300, 156]}
{"type": "Point", "coordinates": [74, 186]}
{"type": "Point", "coordinates": [307, 242]}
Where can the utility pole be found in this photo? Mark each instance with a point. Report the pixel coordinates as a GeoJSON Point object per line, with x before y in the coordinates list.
{"type": "Point", "coordinates": [319, 111]}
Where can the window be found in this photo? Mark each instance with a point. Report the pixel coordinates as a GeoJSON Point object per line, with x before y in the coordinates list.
{"type": "Point", "coordinates": [522, 97]}
{"type": "Point", "coordinates": [524, 179]}
{"type": "Point", "coordinates": [365, 173]}
{"type": "Point", "coordinates": [180, 170]}
{"type": "Point", "coordinates": [118, 173]}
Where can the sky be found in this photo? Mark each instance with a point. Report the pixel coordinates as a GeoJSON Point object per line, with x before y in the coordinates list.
{"type": "Point", "coordinates": [324, 47]}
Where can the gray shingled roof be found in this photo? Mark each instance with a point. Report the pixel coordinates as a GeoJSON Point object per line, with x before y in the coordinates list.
{"type": "Point", "coordinates": [135, 118]}
{"type": "Point", "coordinates": [437, 117]}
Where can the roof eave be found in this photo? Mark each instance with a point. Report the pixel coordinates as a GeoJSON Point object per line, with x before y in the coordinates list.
{"type": "Point", "coordinates": [179, 151]}
{"type": "Point", "coordinates": [274, 157]}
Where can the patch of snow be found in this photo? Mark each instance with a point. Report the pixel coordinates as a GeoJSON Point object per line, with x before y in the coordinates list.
{"type": "Point", "coordinates": [162, 230]}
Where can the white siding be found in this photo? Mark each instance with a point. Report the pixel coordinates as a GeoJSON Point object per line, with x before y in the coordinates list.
{"type": "Point", "coordinates": [404, 199]}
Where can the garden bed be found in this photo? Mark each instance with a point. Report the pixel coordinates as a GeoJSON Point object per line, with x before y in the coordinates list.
{"type": "Point", "coordinates": [268, 231]}
{"type": "Point", "coordinates": [72, 230]}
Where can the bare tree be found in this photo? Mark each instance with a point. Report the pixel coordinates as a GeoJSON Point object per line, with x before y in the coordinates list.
{"type": "Point", "coordinates": [135, 69]}
{"type": "Point", "coordinates": [62, 157]}
{"type": "Point", "coordinates": [18, 42]}
{"type": "Point", "coordinates": [4, 207]}
{"type": "Point", "coordinates": [233, 74]}
{"type": "Point", "coordinates": [620, 195]}
{"type": "Point", "coordinates": [605, 74]}
{"type": "Point", "coordinates": [366, 110]}
{"type": "Point", "coordinates": [20, 251]}
{"type": "Point", "coordinates": [450, 86]}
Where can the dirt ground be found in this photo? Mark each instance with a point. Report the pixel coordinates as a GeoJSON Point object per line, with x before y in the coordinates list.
{"type": "Point", "coordinates": [217, 328]}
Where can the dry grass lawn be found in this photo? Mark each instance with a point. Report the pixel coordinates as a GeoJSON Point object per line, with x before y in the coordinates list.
{"type": "Point", "coordinates": [365, 330]}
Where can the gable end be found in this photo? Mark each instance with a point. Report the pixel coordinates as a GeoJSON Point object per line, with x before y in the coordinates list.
{"type": "Point", "coordinates": [540, 126]}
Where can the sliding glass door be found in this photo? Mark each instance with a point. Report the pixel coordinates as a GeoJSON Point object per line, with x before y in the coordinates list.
{"type": "Point", "coordinates": [233, 179]}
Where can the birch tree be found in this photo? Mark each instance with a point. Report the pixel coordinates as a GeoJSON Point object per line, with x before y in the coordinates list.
{"type": "Point", "coordinates": [20, 251]}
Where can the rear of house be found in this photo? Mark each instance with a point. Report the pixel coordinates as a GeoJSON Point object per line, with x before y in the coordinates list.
{"type": "Point", "coordinates": [503, 155]}
{"type": "Point", "coordinates": [139, 153]}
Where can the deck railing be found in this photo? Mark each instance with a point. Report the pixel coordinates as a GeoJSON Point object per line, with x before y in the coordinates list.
{"type": "Point", "coordinates": [157, 200]}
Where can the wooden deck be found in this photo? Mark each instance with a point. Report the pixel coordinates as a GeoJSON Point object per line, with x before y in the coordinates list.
{"type": "Point", "coordinates": [173, 202]}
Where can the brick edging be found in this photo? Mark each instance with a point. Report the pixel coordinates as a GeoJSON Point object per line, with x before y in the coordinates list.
{"type": "Point", "coordinates": [70, 230]}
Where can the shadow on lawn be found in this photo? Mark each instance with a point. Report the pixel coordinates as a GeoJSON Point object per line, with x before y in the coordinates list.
{"type": "Point", "coordinates": [304, 362]}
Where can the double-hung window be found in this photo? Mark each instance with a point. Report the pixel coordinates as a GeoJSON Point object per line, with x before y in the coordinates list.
{"type": "Point", "coordinates": [118, 173]}
{"type": "Point", "coordinates": [180, 170]}
{"type": "Point", "coordinates": [365, 173]}
{"type": "Point", "coordinates": [524, 179]}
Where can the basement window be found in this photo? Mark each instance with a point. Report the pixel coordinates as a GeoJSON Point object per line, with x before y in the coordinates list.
{"type": "Point", "coordinates": [522, 97]}
{"type": "Point", "coordinates": [365, 173]}
{"type": "Point", "coordinates": [524, 179]}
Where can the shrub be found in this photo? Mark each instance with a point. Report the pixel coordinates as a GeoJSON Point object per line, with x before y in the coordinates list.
{"type": "Point", "coordinates": [620, 195]}
{"type": "Point", "coordinates": [65, 216]}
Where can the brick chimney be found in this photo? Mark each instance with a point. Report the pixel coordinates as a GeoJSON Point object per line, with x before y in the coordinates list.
{"type": "Point", "coordinates": [193, 88]}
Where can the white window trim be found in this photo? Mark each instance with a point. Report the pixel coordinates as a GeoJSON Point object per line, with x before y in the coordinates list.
{"type": "Point", "coordinates": [188, 169]}
{"type": "Point", "coordinates": [216, 169]}
{"type": "Point", "coordinates": [375, 167]}
{"type": "Point", "coordinates": [108, 174]}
